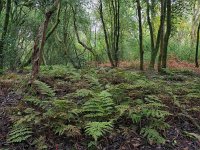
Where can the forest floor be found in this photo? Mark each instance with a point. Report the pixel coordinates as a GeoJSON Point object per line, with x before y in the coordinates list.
{"type": "Point", "coordinates": [173, 63]}
{"type": "Point", "coordinates": [176, 94]}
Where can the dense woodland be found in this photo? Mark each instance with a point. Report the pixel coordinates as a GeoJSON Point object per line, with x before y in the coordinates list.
{"type": "Point", "coordinates": [99, 74]}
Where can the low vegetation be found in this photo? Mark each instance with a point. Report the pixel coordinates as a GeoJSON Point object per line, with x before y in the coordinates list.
{"type": "Point", "coordinates": [100, 108]}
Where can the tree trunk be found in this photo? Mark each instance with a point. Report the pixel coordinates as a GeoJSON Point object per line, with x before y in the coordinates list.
{"type": "Point", "coordinates": [90, 49]}
{"type": "Point", "coordinates": [195, 21]}
{"type": "Point", "coordinates": [105, 34]}
{"type": "Point", "coordinates": [117, 31]}
{"type": "Point", "coordinates": [4, 33]}
{"type": "Point", "coordinates": [150, 25]}
{"type": "Point", "coordinates": [154, 42]}
{"type": "Point", "coordinates": [197, 48]}
{"type": "Point", "coordinates": [167, 35]}
{"type": "Point", "coordinates": [140, 35]}
{"type": "Point", "coordinates": [163, 11]}
{"type": "Point", "coordinates": [1, 7]}
{"type": "Point", "coordinates": [40, 41]}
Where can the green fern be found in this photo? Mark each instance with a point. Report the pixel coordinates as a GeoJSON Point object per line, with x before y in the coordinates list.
{"type": "Point", "coordinates": [152, 135]}
{"type": "Point", "coordinates": [31, 116]}
{"type": "Point", "coordinates": [68, 130]}
{"type": "Point", "coordinates": [99, 107]}
{"type": "Point", "coordinates": [43, 88]}
{"type": "Point", "coordinates": [62, 110]}
{"type": "Point", "coordinates": [98, 129]}
{"type": "Point", "coordinates": [56, 71]}
{"type": "Point", "coordinates": [19, 134]}
{"type": "Point", "coordinates": [37, 102]}
{"type": "Point", "coordinates": [84, 93]}
{"type": "Point", "coordinates": [40, 144]}
{"type": "Point", "coordinates": [152, 112]}
{"type": "Point", "coordinates": [158, 124]}
{"type": "Point", "coordinates": [155, 113]}
{"type": "Point", "coordinates": [122, 109]}
{"type": "Point", "coordinates": [136, 118]}
{"type": "Point", "coordinates": [92, 80]}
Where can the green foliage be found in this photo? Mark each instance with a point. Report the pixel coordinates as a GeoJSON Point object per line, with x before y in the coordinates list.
{"type": "Point", "coordinates": [60, 71]}
{"type": "Point", "coordinates": [149, 109]}
{"type": "Point", "coordinates": [98, 110]}
{"type": "Point", "coordinates": [43, 88]}
{"type": "Point", "coordinates": [153, 112]}
{"type": "Point", "coordinates": [57, 115]}
{"type": "Point", "coordinates": [152, 135]}
{"type": "Point", "coordinates": [37, 102]}
{"type": "Point", "coordinates": [31, 116]}
{"type": "Point", "coordinates": [54, 71]}
{"type": "Point", "coordinates": [100, 107]}
{"type": "Point", "coordinates": [40, 143]}
{"type": "Point", "coordinates": [19, 134]}
{"type": "Point", "coordinates": [84, 93]}
{"type": "Point", "coordinates": [98, 129]}
{"type": "Point", "coordinates": [68, 130]}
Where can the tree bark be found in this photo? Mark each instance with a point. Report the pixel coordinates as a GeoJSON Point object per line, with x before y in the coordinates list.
{"type": "Point", "coordinates": [1, 7]}
{"type": "Point", "coordinates": [167, 35]}
{"type": "Point", "coordinates": [90, 49]}
{"type": "Point", "coordinates": [154, 42]}
{"type": "Point", "coordinates": [163, 11]}
{"type": "Point", "coordinates": [4, 33]}
{"type": "Point", "coordinates": [105, 34]}
{"type": "Point", "coordinates": [116, 35]}
{"type": "Point", "coordinates": [40, 41]}
{"type": "Point", "coordinates": [140, 35]}
{"type": "Point", "coordinates": [195, 21]}
{"type": "Point", "coordinates": [197, 48]}
{"type": "Point", "coordinates": [150, 25]}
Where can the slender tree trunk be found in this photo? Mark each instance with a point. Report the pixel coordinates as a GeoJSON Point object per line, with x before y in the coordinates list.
{"type": "Point", "coordinates": [197, 48]}
{"type": "Point", "coordinates": [150, 26]}
{"type": "Point", "coordinates": [140, 35]}
{"type": "Point", "coordinates": [163, 11]}
{"type": "Point", "coordinates": [153, 17]}
{"type": "Point", "coordinates": [90, 49]}
{"type": "Point", "coordinates": [4, 33]}
{"type": "Point", "coordinates": [1, 7]}
{"type": "Point", "coordinates": [117, 31]}
{"type": "Point", "coordinates": [154, 42]}
{"type": "Point", "coordinates": [195, 21]}
{"type": "Point", "coordinates": [105, 34]}
{"type": "Point", "coordinates": [41, 39]}
{"type": "Point", "coordinates": [167, 35]}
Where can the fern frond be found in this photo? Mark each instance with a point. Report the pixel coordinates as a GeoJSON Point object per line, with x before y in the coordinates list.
{"type": "Point", "coordinates": [43, 88]}
{"type": "Point", "coordinates": [136, 117]}
{"type": "Point", "coordinates": [122, 109]}
{"type": "Point", "coordinates": [99, 107]}
{"type": "Point", "coordinates": [84, 93]}
{"type": "Point", "coordinates": [155, 113]}
{"type": "Point", "coordinates": [37, 102]}
{"type": "Point", "coordinates": [98, 129]}
{"type": "Point", "coordinates": [158, 124]}
{"type": "Point", "coordinates": [152, 135]}
{"type": "Point", "coordinates": [19, 134]}
{"type": "Point", "coordinates": [40, 144]}
{"type": "Point", "coordinates": [68, 130]}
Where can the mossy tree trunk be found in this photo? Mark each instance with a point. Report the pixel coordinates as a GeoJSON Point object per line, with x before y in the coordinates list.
{"type": "Point", "coordinates": [162, 33]}
{"type": "Point", "coordinates": [41, 39]}
{"type": "Point", "coordinates": [167, 35]}
{"type": "Point", "coordinates": [197, 48]}
{"type": "Point", "coordinates": [140, 35]}
{"type": "Point", "coordinates": [4, 33]}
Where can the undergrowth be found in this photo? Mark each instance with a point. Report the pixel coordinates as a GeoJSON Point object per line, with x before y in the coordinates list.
{"type": "Point", "coordinates": [109, 97]}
